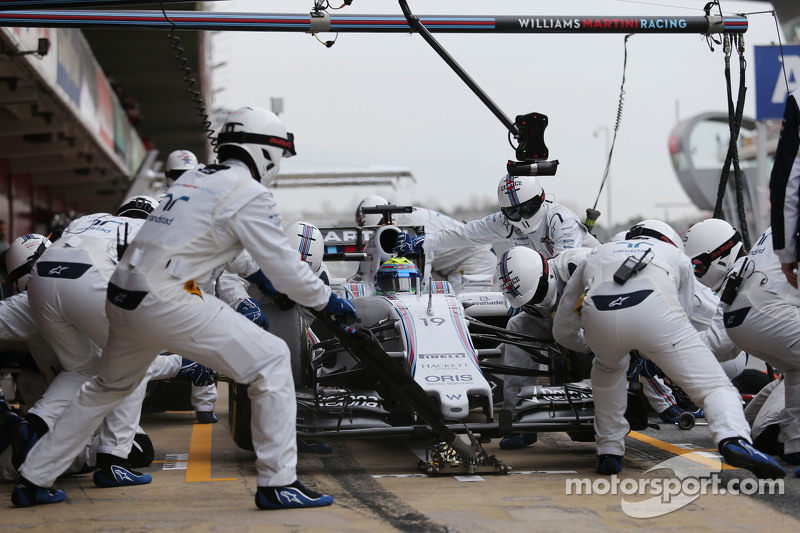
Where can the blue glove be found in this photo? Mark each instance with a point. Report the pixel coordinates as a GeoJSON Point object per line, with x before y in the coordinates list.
{"type": "Point", "coordinates": [252, 311]}
{"type": "Point", "coordinates": [406, 244]}
{"type": "Point", "coordinates": [199, 375]}
{"type": "Point", "coordinates": [644, 368]}
{"type": "Point", "coordinates": [342, 310]}
{"type": "Point", "coordinates": [263, 283]}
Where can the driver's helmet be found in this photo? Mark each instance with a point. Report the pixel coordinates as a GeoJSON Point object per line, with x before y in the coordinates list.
{"type": "Point", "coordinates": [397, 275]}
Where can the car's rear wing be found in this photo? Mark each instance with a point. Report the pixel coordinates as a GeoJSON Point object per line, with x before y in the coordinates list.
{"type": "Point", "coordinates": [347, 243]}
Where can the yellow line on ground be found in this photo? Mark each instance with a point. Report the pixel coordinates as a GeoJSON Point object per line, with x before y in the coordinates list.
{"type": "Point", "coordinates": [198, 468]}
{"type": "Point", "coordinates": [687, 454]}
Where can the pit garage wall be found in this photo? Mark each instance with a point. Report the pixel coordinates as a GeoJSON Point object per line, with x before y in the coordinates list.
{"type": "Point", "coordinates": [26, 208]}
{"type": "Point", "coordinates": [71, 74]}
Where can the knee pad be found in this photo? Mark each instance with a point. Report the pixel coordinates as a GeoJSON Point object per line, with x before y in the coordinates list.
{"type": "Point", "coordinates": [142, 451]}
{"type": "Point", "coordinates": [38, 425]}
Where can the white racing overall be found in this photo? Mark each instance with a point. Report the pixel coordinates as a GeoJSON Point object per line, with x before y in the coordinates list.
{"type": "Point", "coordinates": [205, 221]}
{"type": "Point", "coordinates": [764, 320]}
{"type": "Point", "coordinates": [67, 294]}
{"type": "Point", "coordinates": [649, 313]}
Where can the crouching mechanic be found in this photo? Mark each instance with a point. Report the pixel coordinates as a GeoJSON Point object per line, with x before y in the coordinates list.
{"type": "Point", "coordinates": [307, 239]}
{"type": "Point", "coordinates": [761, 310]}
{"type": "Point", "coordinates": [206, 219]}
{"type": "Point", "coordinates": [529, 284]}
{"type": "Point", "coordinates": [46, 390]}
{"type": "Point", "coordinates": [638, 294]}
{"type": "Point", "coordinates": [66, 292]}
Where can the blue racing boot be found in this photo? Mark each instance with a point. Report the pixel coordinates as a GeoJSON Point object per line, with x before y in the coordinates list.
{"type": "Point", "coordinates": [517, 441]}
{"type": "Point", "coordinates": [671, 414]}
{"type": "Point", "coordinates": [198, 374]}
{"type": "Point", "coordinates": [26, 494]}
{"type": "Point", "coordinates": [113, 471]}
{"type": "Point", "coordinates": [698, 413]}
{"type": "Point", "coordinates": [294, 496]}
{"type": "Point", "coordinates": [740, 453]}
{"type": "Point", "coordinates": [609, 464]}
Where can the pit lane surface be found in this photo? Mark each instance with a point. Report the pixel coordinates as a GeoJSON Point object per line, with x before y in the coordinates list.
{"type": "Point", "coordinates": [203, 482]}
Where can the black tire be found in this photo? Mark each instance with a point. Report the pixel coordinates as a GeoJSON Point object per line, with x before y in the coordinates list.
{"type": "Point", "coordinates": [239, 414]}
{"type": "Point", "coordinates": [167, 395]}
{"type": "Point", "coordinates": [289, 325]}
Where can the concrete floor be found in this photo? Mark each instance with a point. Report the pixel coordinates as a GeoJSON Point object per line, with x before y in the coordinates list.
{"type": "Point", "coordinates": [203, 482]}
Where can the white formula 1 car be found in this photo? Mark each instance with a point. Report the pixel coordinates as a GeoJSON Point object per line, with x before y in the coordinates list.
{"type": "Point", "coordinates": [417, 364]}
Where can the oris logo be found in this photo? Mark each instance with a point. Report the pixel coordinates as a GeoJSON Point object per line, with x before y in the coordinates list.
{"type": "Point", "coordinates": [445, 378]}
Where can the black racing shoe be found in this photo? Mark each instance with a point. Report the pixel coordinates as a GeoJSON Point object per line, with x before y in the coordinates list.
{"type": "Point", "coordinates": [294, 496]}
{"type": "Point", "coordinates": [206, 417]}
{"type": "Point", "coordinates": [609, 464]}
{"type": "Point", "coordinates": [113, 471]}
{"type": "Point", "coordinates": [740, 453]}
{"type": "Point", "coordinates": [26, 494]}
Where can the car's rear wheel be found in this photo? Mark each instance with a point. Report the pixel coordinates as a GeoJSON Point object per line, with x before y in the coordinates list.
{"type": "Point", "coordinates": [291, 326]}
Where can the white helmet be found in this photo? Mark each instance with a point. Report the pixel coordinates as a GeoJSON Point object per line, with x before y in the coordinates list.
{"type": "Point", "coordinates": [713, 245]}
{"type": "Point", "coordinates": [260, 138]}
{"type": "Point", "coordinates": [619, 236]}
{"type": "Point", "coordinates": [657, 230]}
{"type": "Point", "coordinates": [22, 255]}
{"type": "Point", "coordinates": [307, 239]}
{"type": "Point", "coordinates": [370, 219]}
{"type": "Point", "coordinates": [177, 163]}
{"type": "Point", "coordinates": [137, 207]}
{"type": "Point", "coordinates": [526, 279]}
{"type": "Point", "coordinates": [521, 199]}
